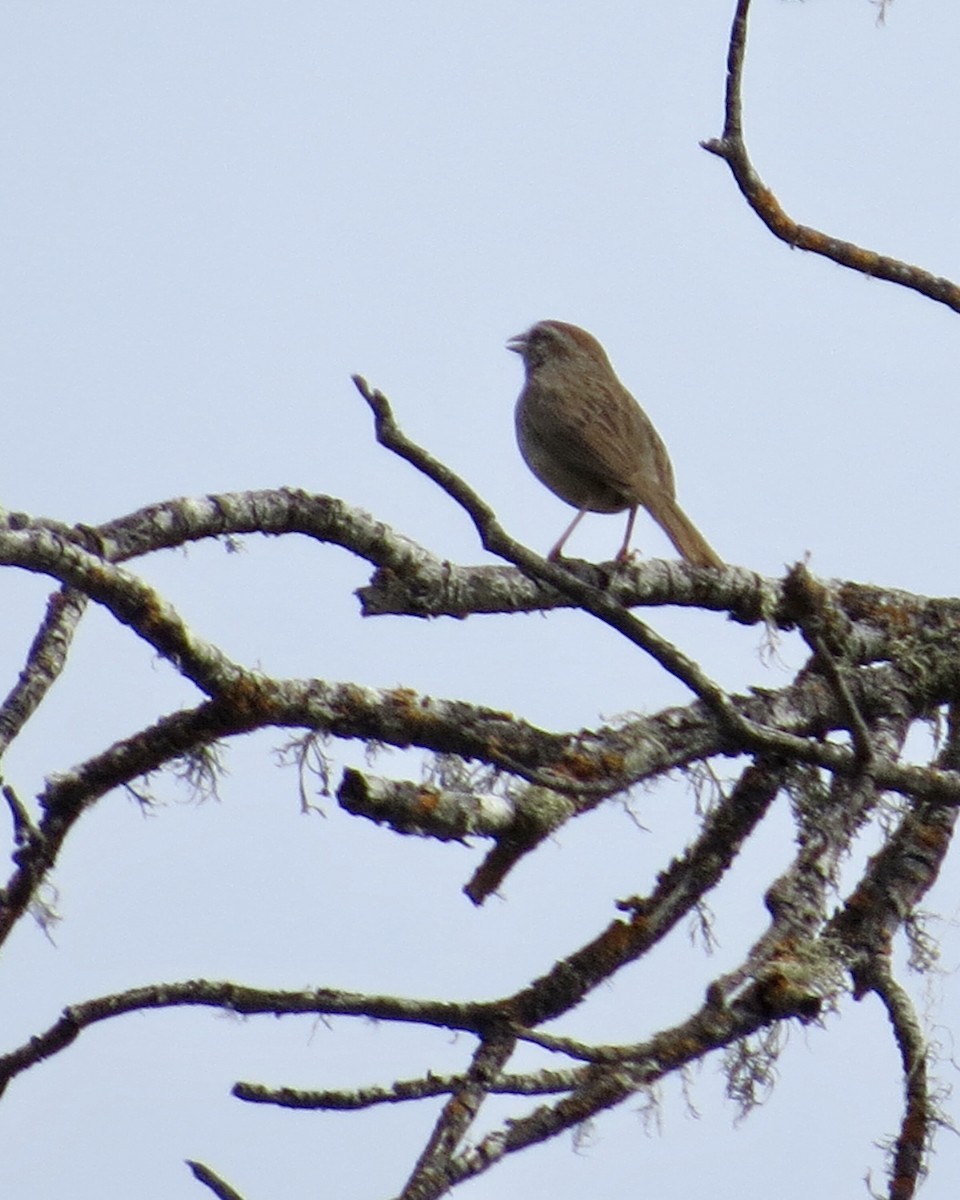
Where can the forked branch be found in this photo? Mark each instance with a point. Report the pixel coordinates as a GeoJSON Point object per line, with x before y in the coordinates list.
{"type": "Point", "coordinates": [732, 148]}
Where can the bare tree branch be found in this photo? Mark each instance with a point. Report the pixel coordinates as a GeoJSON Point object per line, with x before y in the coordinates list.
{"type": "Point", "coordinates": [732, 149]}
{"type": "Point", "coordinates": [532, 1084]}
{"type": "Point", "coordinates": [920, 1116]}
{"type": "Point", "coordinates": [832, 742]}
{"type": "Point", "coordinates": [430, 1177]}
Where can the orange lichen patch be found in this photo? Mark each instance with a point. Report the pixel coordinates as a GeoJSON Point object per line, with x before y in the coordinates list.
{"type": "Point", "coordinates": [246, 696]}
{"type": "Point", "coordinates": [784, 995]}
{"type": "Point", "coordinates": [786, 949]}
{"type": "Point", "coordinates": [616, 945]}
{"type": "Point", "coordinates": [612, 762]}
{"type": "Point", "coordinates": [587, 768]}
{"type": "Point", "coordinates": [903, 1187]}
{"type": "Point", "coordinates": [459, 1108]}
{"type": "Point", "coordinates": [862, 901]}
{"type": "Point", "coordinates": [911, 1144]}
{"type": "Point", "coordinates": [406, 698]}
{"type": "Point", "coordinates": [899, 619]}
{"type": "Point", "coordinates": [639, 923]}
{"type": "Point", "coordinates": [150, 615]}
{"type": "Point", "coordinates": [679, 1050]}
{"type": "Point", "coordinates": [914, 1128]}
{"type": "Point", "coordinates": [428, 799]}
{"type": "Point", "coordinates": [349, 699]}
{"type": "Point", "coordinates": [933, 837]}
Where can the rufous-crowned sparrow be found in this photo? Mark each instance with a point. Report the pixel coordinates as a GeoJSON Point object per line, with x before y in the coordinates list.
{"type": "Point", "coordinates": [584, 436]}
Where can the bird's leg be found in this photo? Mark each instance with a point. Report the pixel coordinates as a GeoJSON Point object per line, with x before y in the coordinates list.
{"type": "Point", "coordinates": [555, 552]}
{"type": "Point", "coordinates": [623, 554]}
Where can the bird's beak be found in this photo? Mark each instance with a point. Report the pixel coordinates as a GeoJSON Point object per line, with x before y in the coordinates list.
{"type": "Point", "coordinates": [517, 344]}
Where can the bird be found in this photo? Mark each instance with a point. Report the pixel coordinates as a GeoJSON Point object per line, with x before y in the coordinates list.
{"type": "Point", "coordinates": [586, 438]}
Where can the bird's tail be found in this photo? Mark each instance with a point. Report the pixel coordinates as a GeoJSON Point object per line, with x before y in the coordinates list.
{"type": "Point", "coordinates": [689, 541]}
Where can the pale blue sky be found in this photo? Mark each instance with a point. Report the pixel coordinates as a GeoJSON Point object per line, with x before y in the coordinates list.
{"type": "Point", "coordinates": [210, 215]}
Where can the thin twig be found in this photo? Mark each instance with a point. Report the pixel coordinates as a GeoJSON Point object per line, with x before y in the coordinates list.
{"type": "Point", "coordinates": [536, 1083]}
{"type": "Point", "coordinates": [24, 830]}
{"type": "Point", "coordinates": [859, 730]}
{"type": "Point", "coordinates": [430, 1176]}
{"type": "Point", "coordinates": [919, 1114]}
{"type": "Point", "coordinates": [221, 1189]}
{"type": "Point", "coordinates": [46, 659]}
{"type": "Point", "coordinates": [732, 149]}
{"type": "Point", "coordinates": [469, 1017]}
